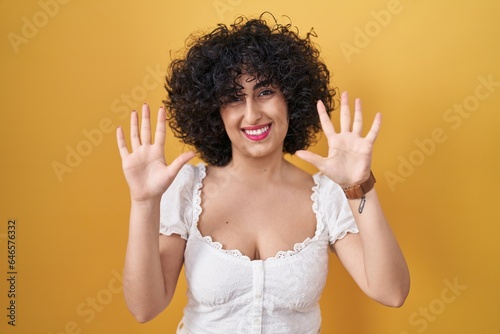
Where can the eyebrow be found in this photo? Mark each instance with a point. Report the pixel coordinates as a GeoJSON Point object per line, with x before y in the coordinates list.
{"type": "Point", "coordinates": [263, 83]}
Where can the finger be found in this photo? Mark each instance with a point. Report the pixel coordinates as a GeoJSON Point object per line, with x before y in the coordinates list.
{"type": "Point", "coordinates": [326, 123]}
{"type": "Point", "coordinates": [310, 157]}
{"type": "Point", "coordinates": [134, 130]}
{"type": "Point", "coordinates": [146, 125]}
{"type": "Point", "coordinates": [374, 130]}
{"type": "Point", "coordinates": [160, 128]}
{"type": "Point", "coordinates": [345, 113]}
{"type": "Point", "coordinates": [122, 145]}
{"type": "Point", "coordinates": [357, 123]}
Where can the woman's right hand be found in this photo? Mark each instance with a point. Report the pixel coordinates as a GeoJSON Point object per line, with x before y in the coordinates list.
{"type": "Point", "coordinates": [145, 168]}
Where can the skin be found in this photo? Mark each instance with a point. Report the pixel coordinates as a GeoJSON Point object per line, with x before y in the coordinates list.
{"type": "Point", "coordinates": [259, 177]}
{"type": "Point", "coordinates": [373, 257]}
{"type": "Point", "coordinates": [258, 106]}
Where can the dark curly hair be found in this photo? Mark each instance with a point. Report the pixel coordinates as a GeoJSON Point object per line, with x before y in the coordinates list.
{"type": "Point", "coordinates": [200, 83]}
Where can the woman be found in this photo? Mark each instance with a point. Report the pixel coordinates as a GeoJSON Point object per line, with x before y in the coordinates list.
{"type": "Point", "coordinates": [252, 230]}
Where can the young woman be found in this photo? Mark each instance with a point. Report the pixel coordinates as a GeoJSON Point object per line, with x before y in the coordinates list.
{"type": "Point", "coordinates": [252, 230]}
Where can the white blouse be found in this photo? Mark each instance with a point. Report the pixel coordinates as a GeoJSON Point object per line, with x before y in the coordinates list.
{"type": "Point", "coordinates": [228, 292]}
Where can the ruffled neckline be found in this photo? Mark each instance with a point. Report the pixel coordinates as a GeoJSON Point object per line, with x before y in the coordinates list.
{"type": "Point", "coordinates": [297, 248]}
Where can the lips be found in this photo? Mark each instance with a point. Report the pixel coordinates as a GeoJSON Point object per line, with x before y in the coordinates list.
{"type": "Point", "coordinates": [257, 133]}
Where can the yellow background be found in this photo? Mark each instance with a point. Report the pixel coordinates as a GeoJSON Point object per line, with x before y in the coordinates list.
{"type": "Point", "coordinates": [84, 64]}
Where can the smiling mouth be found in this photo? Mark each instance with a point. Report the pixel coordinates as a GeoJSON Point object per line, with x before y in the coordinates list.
{"type": "Point", "coordinates": [257, 134]}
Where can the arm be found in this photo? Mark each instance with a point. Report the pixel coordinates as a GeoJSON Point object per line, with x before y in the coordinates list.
{"type": "Point", "coordinates": [372, 257]}
{"type": "Point", "coordinates": [152, 262]}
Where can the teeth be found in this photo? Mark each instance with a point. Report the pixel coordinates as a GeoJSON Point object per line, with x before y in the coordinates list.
{"type": "Point", "coordinates": [257, 132]}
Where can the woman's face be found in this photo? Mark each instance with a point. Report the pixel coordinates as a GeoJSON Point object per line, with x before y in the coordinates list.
{"type": "Point", "coordinates": [256, 120]}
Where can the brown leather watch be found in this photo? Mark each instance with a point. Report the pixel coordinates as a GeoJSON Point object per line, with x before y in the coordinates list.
{"type": "Point", "coordinates": [358, 191]}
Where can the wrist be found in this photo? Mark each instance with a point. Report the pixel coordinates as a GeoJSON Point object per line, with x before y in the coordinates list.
{"type": "Point", "coordinates": [359, 190]}
{"type": "Point", "coordinates": [146, 203]}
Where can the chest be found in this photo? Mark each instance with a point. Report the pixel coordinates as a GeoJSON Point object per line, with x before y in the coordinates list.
{"type": "Point", "coordinates": [222, 278]}
{"type": "Point", "coordinates": [258, 222]}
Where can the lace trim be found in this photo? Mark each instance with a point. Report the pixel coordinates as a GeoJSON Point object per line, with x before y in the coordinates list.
{"type": "Point", "coordinates": [236, 253]}
{"type": "Point", "coordinates": [342, 235]}
{"type": "Point", "coordinates": [233, 252]}
{"type": "Point", "coordinates": [197, 193]}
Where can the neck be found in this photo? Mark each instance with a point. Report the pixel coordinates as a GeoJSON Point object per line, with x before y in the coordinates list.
{"type": "Point", "coordinates": [268, 169]}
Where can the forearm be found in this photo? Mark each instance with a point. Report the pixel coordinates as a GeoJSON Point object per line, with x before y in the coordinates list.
{"type": "Point", "coordinates": [143, 282]}
{"type": "Point", "coordinates": [385, 269]}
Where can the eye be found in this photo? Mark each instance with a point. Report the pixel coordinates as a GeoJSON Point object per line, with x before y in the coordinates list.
{"type": "Point", "coordinates": [266, 92]}
{"type": "Point", "coordinates": [231, 99]}
{"type": "Point", "coordinates": [234, 99]}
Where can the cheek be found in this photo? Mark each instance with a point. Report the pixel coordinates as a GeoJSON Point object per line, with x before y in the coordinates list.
{"type": "Point", "coordinates": [230, 124]}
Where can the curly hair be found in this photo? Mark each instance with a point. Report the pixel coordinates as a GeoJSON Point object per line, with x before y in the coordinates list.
{"type": "Point", "coordinates": [200, 83]}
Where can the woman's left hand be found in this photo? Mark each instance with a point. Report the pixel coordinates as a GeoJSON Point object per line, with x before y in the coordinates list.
{"type": "Point", "coordinates": [349, 154]}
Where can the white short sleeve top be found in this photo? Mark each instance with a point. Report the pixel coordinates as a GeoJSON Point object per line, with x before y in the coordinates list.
{"type": "Point", "coordinates": [228, 292]}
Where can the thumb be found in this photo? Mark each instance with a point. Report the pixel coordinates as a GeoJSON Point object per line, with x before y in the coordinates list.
{"type": "Point", "coordinates": [311, 158]}
{"type": "Point", "coordinates": [181, 160]}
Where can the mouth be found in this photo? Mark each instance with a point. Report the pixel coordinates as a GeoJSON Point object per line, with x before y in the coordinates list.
{"type": "Point", "coordinates": [257, 133]}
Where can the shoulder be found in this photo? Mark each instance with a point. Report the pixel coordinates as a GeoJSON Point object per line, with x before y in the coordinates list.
{"type": "Point", "coordinates": [181, 201]}
{"type": "Point", "coordinates": [186, 181]}
{"type": "Point", "coordinates": [299, 179]}
{"type": "Point", "coordinates": [329, 197]}
{"type": "Point", "coordinates": [189, 175]}
{"type": "Point", "coordinates": [190, 171]}
{"type": "Point", "coordinates": [326, 186]}
{"type": "Point", "coordinates": [332, 206]}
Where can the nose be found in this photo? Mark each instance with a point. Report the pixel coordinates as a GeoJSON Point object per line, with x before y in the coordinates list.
{"type": "Point", "coordinates": [252, 112]}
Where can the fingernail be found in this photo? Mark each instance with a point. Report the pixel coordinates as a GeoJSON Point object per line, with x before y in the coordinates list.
{"type": "Point", "coordinates": [343, 98]}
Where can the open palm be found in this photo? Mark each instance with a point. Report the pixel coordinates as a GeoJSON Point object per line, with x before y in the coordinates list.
{"type": "Point", "coordinates": [146, 171]}
{"type": "Point", "coordinates": [349, 154]}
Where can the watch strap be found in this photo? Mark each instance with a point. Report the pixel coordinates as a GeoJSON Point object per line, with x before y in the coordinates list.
{"type": "Point", "coordinates": [359, 190]}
